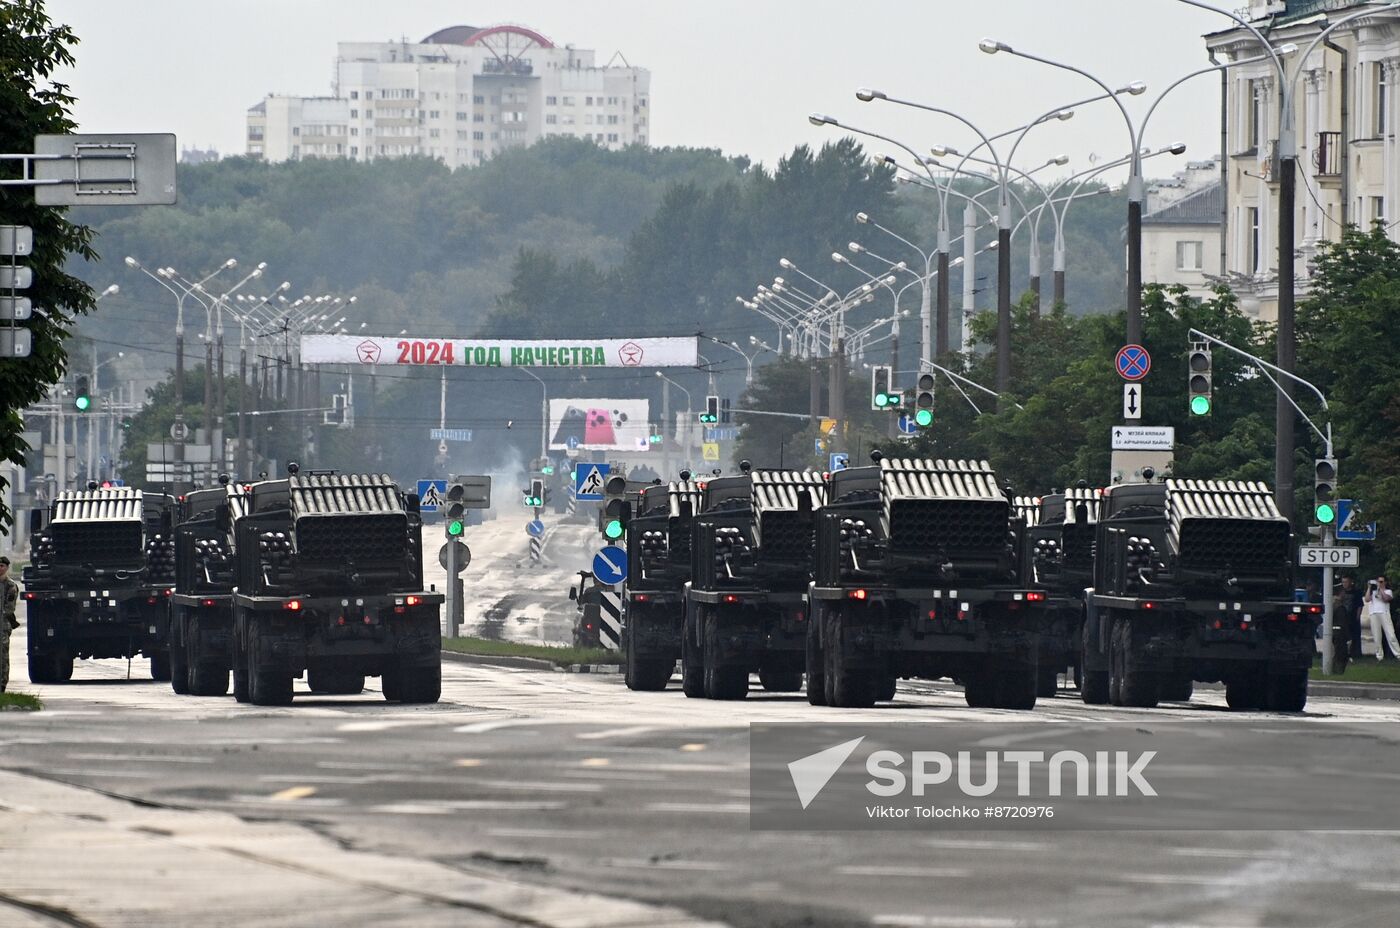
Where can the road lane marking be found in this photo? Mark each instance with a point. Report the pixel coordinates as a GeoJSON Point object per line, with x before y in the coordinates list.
{"type": "Point", "coordinates": [468, 762]}
{"type": "Point", "coordinates": [1230, 853]}
{"type": "Point", "coordinates": [694, 746]}
{"type": "Point", "coordinates": [615, 732]}
{"type": "Point", "coordinates": [912, 872]}
{"type": "Point", "coordinates": [480, 728]}
{"type": "Point", "coordinates": [549, 833]}
{"type": "Point", "coordinates": [467, 805]}
{"type": "Point", "coordinates": [302, 778]}
{"type": "Point", "coordinates": [958, 844]}
{"type": "Point", "coordinates": [736, 808]}
{"type": "Point", "coordinates": [644, 863]}
{"type": "Point", "coordinates": [292, 793]}
{"type": "Point", "coordinates": [958, 921]}
{"type": "Point", "coordinates": [540, 786]}
{"type": "Point", "coordinates": [594, 762]}
{"type": "Point", "coordinates": [145, 758]}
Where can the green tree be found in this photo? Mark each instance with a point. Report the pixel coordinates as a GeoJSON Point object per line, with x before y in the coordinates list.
{"type": "Point", "coordinates": [31, 49]}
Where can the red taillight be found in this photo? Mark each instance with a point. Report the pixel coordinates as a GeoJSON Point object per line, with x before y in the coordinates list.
{"type": "Point", "coordinates": [1149, 605]}
{"type": "Point", "coordinates": [152, 601]}
{"type": "Point", "coordinates": [412, 600]}
{"type": "Point", "coordinates": [207, 602]}
{"type": "Point", "coordinates": [1293, 617]}
{"type": "Point", "coordinates": [28, 595]}
{"type": "Point", "coordinates": [292, 605]}
{"type": "Point", "coordinates": [799, 616]}
{"type": "Point", "coordinates": [933, 613]}
{"type": "Point", "coordinates": [588, 627]}
{"type": "Point", "coordinates": [962, 615]}
{"type": "Point", "coordinates": [1217, 624]}
{"type": "Point", "coordinates": [641, 598]}
{"type": "Point", "coordinates": [1035, 597]}
{"type": "Point", "coordinates": [856, 594]}
{"type": "Point", "coordinates": [730, 599]}
{"type": "Point", "coordinates": [1244, 626]}
{"type": "Point", "coordinates": [1314, 610]}
{"type": "Point", "coordinates": [168, 592]}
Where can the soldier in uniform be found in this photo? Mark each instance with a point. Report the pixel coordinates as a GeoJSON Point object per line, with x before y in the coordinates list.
{"type": "Point", "coordinates": [9, 601]}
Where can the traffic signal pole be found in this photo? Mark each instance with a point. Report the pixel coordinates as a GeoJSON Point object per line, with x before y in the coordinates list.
{"type": "Point", "coordinates": [1328, 539]}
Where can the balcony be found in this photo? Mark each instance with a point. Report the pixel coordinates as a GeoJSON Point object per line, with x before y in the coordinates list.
{"type": "Point", "coordinates": [1327, 154]}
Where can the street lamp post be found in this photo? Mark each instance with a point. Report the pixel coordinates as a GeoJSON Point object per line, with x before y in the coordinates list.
{"type": "Point", "coordinates": [544, 411]}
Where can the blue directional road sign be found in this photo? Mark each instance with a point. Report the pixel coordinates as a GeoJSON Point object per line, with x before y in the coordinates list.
{"type": "Point", "coordinates": [907, 425]}
{"type": "Point", "coordinates": [610, 565]}
{"type": "Point", "coordinates": [839, 460]}
{"type": "Point", "coordinates": [431, 494]}
{"type": "Point", "coordinates": [1349, 524]}
{"type": "Point", "coordinates": [572, 443]}
{"type": "Point", "coordinates": [589, 479]}
{"type": "Point", "coordinates": [534, 528]}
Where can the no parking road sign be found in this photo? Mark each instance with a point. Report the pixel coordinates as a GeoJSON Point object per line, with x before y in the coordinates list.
{"type": "Point", "coordinates": [1132, 362]}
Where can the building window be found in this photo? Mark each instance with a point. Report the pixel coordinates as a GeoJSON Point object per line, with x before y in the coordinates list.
{"type": "Point", "coordinates": [354, 150]}
{"type": "Point", "coordinates": [1382, 99]}
{"type": "Point", "coordinates": [354, 131]}
{"type": "Point", "coordinates": [612, 136]}
{"type": "Point", "coordinates": [1189, 255]}
{"type": "Point", "coordinates": [296, 130]}
{"type": "Point", "coordinates": [1252, 214]}
{"type": "Point", "coordinates": [478, 136]}
{"type": "Point", "coordinates": [434, 133]}
{"type": "Point", "coordinates": [1378, 210]}
{"type": "Point", "coordinates": [495, 136]}
{"type": "Point", "coordinates": [588, 119]}
{"type": "Point", "coordinates": [612, 120]}
{"type": "Point", "coordinates": [354, 114]}
{"type": "Point", "coordinates": [550, 101]}
{"type": "Point", "coordinates": [1251, 122]}
{"type": "Point", "coordinates": [461, 117]}
{"type": "Point", "coordinates": [369, 114]}
{"type": "Point", "coordinates": [588, 101]}
{"type": "Point", "coordinates": [478, 99]}
{"type": "Point", "coordinates": [568, 101]}
{"type": "Point", "coordinates": [612, 101]}
{"type": "Point", "coordinates": [478, 117]}
{"type": "Point", "coordinates": [550, 119]}
{"type": "Point", "coordinates": [354, 95]}
{"type": "Point", "coordinates": [567, 119]}
{"type": "Point", "coordinates": [434, 114]}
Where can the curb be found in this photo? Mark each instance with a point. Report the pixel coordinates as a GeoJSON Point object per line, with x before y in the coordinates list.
{"type": "Point", "coordinates": [499, 660]}
{"type": "Point", "coordinates": [1385, 691]}
{"type": "Point", "coordinates": [594, 668]}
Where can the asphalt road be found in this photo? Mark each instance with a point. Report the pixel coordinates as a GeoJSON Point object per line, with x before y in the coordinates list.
{"type": "Point", "coordinates": [538, 798]}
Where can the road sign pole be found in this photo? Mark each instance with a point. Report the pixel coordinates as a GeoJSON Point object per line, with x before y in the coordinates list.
{"type": "Point", "coordinates": [1327, 617]}
{"type": "Point", "coordinates": [453, 592]}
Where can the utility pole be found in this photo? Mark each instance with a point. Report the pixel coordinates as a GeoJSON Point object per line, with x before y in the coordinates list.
{"type": "Point", "coordinates": [969, 276]}
{"type": "Point", "coordinates": [1287, 339]}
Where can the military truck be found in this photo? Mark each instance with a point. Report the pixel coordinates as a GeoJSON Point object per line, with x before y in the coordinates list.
{"type": "Point", "coordinates": [751, 562]}
{"type": "Point", "coordinates": [101, 567]}
{"type": "Point", "coordinates": [653, 608]}
{"type": "Point", "coordinates": [201, 606]}
{"type": "Point", "coordinates": [922, 570]}
{"type": "Point", "coordinates": [328, 580]}
{"type": "Point", "coordinates": [1193, 581]}
{"type": "Point", "coordinates": [1060, 526]}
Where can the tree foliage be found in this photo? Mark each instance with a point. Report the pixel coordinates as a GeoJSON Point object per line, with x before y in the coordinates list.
{"type": "Point", "coordinates": [32, 47]}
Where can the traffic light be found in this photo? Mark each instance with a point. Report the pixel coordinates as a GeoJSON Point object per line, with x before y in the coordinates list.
{"type": "Point", "coordinates": [1325, 490]}
{"type": "Point", "coordinates": [126, 423]}
{"type": "Point", "coordinates": [724, 410]}
{"type": "Point", "coordinates": [881, 394]}
{"type": "Point", "coordinates": [1199, 383]}
{"type": "Point", "coordinates": [547, 470]}
{"type": "Point", "coordinates": [82, 395]}
{"type": "Point", "coordinates": [535, 495]}
{"type": "Point", "coordinates": [923, 401]}
{"type": "Point", "coordinates": [454, 520]}
{"type": "Point", "coordinates": [616, 511]}
{"type": "Point", "coordinates": [711, 414]}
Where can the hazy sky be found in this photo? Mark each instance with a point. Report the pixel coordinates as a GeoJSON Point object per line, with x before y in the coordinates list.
{"type": "Point", "coordinates": [740, 76]}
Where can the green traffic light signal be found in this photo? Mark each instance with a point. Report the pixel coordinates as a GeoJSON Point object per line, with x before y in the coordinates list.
{"type": "Point", "coordinates": [882, 399]}
{"type": "Point", "coordinates": [455, 528]}
{"type": "Point", "coordinates": [547, 469]}
{"type": "Point", "coordinates": [1326, 514]}
{"type": "Point", "coordinates": [82, 403]}
{"type": "Point", "coordinates": [1200, 405]}
{"type": "Point", "coordinates": [923, 418]}
{"type": "Point", "coordinates": [613, 529]}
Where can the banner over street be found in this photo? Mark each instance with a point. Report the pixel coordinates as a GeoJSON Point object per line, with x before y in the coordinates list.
{"type": "Point", "coordinates": [497, 352]}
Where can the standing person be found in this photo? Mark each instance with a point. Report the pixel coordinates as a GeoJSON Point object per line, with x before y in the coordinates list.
{"type": "Point", "coordinates": [1377, 600]}
{"type": "Point", "coordinates": [9, 601]}
{"type": "Point", "coordinates": [1349, 614]}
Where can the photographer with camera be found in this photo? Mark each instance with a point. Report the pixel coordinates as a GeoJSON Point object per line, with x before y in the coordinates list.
{"type": "Point", "coordinates": [1377, 604]}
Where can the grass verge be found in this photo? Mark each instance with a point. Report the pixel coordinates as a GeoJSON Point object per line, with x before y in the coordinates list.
{"type": "Point", "coordinates": [562, 656]}
{"type": "Point", "coordinates": [1368, 670]}
{"type": "Point", "coordinates": [22, 702]}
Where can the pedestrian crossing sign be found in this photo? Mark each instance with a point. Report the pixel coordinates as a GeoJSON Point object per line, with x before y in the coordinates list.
{"type": "Point", "coordinates": [431, 494]}
{"type": "Point", "coordinates": [589, 479]}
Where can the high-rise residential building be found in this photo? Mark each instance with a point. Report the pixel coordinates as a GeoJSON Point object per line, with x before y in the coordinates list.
{"type": "Point", "coordinates": [460, 95]}
{"type": "Point", "coordinates": [1345, 106]}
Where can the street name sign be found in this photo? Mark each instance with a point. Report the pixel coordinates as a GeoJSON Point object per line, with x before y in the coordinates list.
{"type": "Point", "coordinates": [1143, 437]}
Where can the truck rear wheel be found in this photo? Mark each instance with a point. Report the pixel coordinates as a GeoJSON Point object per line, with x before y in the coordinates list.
{"type": "Point", "coordinates": [1177, 688]}
{"type": "Point", "coordinates": [267, 685]}
{"type": "Point", "coordinates": [1246, 691]}
{"type": "Point", "coordinates": [240, 671]}
{"type": "Point", "coordinates": [1047, 682]}
{"type": "Point", "coordinates": [692, 662]}
{"type": "Point", "coordinates": [208, 678]}
{"type": "Point", "coordinates": [160, 666]}
{"type": "Point", "coordinates": [1093, 684]}
{"type": "Point", "coordinates": [848, 687]}
{"type": "Point", "coordinates": [1137, 688]}
{"type": "Point", "coordinates": [643, 674]}
{"type": "Point", "coordinates": [1015, 683]}
{"type": "Point", "coordinates": [416, 684]}
{"type": "Point", "coordinates": [1288, 692]}
{"type": "Point", "coordinates": [887, 687]}
{"type": "Point", "coordinates": [722, 681]}
{"type": "Point", "coordinates": [179, 658]}
{"type": "Point", "coordinates": [50, 667]}
{"type": "Point", "coordinates": [979, 688]}
{"type": "Point", "coordinates": [816, 660]}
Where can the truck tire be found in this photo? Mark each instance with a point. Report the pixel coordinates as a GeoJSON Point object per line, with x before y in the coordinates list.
{"type": "Point", "coordinates": [1288, 692]}
{"type": "Point", "coordinates": [50, 667]}
{"type": "Point", "coordinates": [1139, 688]}
{"type": "Point", "coordinates": [1047, 682]}
{"type": "Point", "coordinates": [777, 679]}
{"type": "Point", "coordinates": [160, 666]}
{"type": "Point", "coordinates": [643, 674]}
{"type": "Point", "coordinates": [208, 678]}
{"type": "Point", "coordinates": [886, 688]}
{"type": "Point", "coordinates": [1115, 663]}
{"type": "Point", "coordinates": [722, 681]}
{"type": "Point", "coordinates": [847, 687]}
{"type": "Point", "coordinates": [1015, 683]}
{"type": "Point", "coordinates": [240, 671]}
{"type": "Point", "coordinates": [1177, 688]}
{"type": "Point", "coordinates": [267, 685]}
{"type": "Point", "coordinates": [417, 684]}
{"type": "Point", "coordinates": [1246, 691]}
{"type": "Point", "coordinates": [692, 661]}
{"type": "Point", "coordinates": [179, 660]}
{"type": "Point", "coordinates": [389, 685]}
{"type": "Point", "coordinates": [816, 660]}
{"type": "Point", "coordinates": [1093, 684]}
{"type": "Point", "coordinates": [979, 687]}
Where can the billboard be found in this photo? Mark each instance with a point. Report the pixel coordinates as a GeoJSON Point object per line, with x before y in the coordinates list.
{"type": "Point", "coordinates": [393, 351]}
{"type": "Point", "coordinates": [598, 425]}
